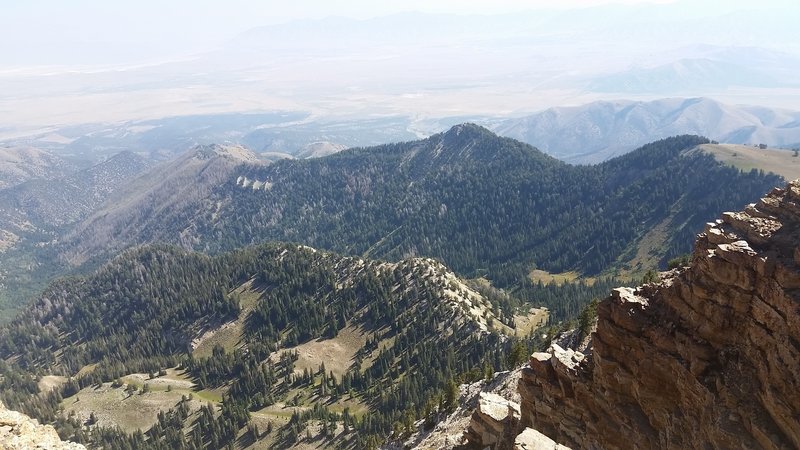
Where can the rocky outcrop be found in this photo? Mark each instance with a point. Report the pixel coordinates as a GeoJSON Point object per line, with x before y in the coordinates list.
{"type": "Point", "coordinates": [531, 439]}
{"type": "Point", "coordinates": [494, 423]}
{"type": "Point", "coordinates": [449, 430]}
{"type": "Point", "coordinates": [707, 358]}
{"type": "Point", "coordinates": [20, 432]}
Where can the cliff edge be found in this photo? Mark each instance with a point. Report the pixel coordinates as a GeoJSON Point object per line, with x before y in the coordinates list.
{"type": "Point", "coordinates": [707, 358]}
{"type": "Point", "coordinates": [20, 432]}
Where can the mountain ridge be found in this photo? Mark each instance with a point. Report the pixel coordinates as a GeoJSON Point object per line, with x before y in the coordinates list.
{"type": "Point", "coordinates": [408, 199]}
{"type": "Point", "coordinates": [143, 311]}
{"type": "Point", "coordinates": [183, 181]}
{"type": "Point", "coordinates": [595, 132]}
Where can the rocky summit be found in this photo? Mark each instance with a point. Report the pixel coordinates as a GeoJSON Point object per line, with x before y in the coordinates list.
{"type": "Point", "coordinates": [20, 432]}
{"type": "Point", "coordinates": [709, 357]}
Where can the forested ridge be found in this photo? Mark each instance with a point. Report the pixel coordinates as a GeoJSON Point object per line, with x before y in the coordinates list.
{"type": "Point", "coordinates": [139, 312]}
{"type": "Point", "coordinates": [483, 204]}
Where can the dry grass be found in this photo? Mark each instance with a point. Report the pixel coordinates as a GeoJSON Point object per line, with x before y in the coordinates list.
{"type": "Point", "coordinates": [115, 407]}
{"type": "Point", "coordinates": [337, 353]}
{"type": "Point", "coordinates": [85, 370]}
{"type": "Point", "coordinates": [648, 251]}
{"type": "Point", "coordinates": [777, 161]}
{"type": "Point", "coordinates": [49, 382]}
{"type": "Point", "coordinates": [228, 335]}
{"type": "Point", "coordinates": [535, 318]}
{"type": "Point", "coordinates": [174, 379]}
{"type": "Point", "coordinates": [557, 278]}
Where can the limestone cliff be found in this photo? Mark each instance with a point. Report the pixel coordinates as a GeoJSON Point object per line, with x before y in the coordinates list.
{"type": "Point", "coordinates": [20, 432]}
{"type": "Point", "coordinates": [707, 358]}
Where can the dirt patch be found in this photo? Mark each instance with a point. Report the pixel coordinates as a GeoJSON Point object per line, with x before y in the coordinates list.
{"type": "Point", "coordinates": [648, 250]}
{"type": "Point", "coordinates": [337, 353]}
{"type": "Point", "coordinates": [229, 334]}
{"type": "Point", "coordinates": [535, 318]}
{"type": "Point", "coordinates": [173, 379]}
{"type": "Point", "coordinates": [558, 278]}
{"type": "Point", "coordinates": [49, 382]}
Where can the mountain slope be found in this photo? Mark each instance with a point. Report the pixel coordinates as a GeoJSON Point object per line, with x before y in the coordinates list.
{"type": "Point", "coordinates": [484, 204]}
{"type": "Point", "coordinates": [142, 311]}
{"type": "Point", "coordinates": [598, 131]}
{"type": "Point", "coordinates": [684, 75]}
{"type": "Point", "coordinates": [20, 164]}
{"type": "Point", "coordinates": [52, 203]}
{"type": "Point", "coordinates": [175, 187]}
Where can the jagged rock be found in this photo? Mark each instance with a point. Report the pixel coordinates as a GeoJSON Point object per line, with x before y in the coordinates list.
{"type": "Point", "coordinates": [494, 423]}
{"type": "Point", "coordinates": [531, 439]}
{"type": "Point", "coordinates": [20, 432]}
{"type": "Point", "coordinates": [449, 431]}
{"type": "Point", "coordinates": [707, 358]}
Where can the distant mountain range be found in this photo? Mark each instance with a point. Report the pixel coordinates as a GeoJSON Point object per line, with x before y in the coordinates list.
{"type": "Point", "coordinates": [684, 75]}
{"type": "Point", "coordinates": [598, 131]}
{"type": "Point", "coordinates": [483, 204]}
{"type": "Point", "coordinates": [271, 135]}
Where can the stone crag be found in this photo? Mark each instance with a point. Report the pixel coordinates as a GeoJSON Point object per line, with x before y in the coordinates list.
{"type": "Point", "coordinates": [20, 432]}
{"type": "Point", "coordinates": [709, 357]}
{"type": "Point", "coordinates": [494, 423]}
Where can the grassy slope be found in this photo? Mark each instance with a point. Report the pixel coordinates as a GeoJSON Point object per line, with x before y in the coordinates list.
{"type": "Point", "coordinates": [778, 161]}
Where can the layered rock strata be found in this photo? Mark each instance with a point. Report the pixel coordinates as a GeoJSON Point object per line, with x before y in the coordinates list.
{"type": "Point", "coordinates": [707, 358]}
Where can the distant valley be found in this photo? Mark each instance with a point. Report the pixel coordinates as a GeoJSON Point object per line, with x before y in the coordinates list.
{"type": "Point", "coordinates": [585, 134]}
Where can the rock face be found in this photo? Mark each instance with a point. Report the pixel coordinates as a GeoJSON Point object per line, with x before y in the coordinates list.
{"type": "Point", "coordinates": [707, 358]}
{"type": "Point", "coordinates": [494, 423]}
{"type": "Point", "coordinates": [449, 431]}
{"type": "Point", "coordinates": [20, 432]}
{"type": "Point", "coordinates": [531, 439]}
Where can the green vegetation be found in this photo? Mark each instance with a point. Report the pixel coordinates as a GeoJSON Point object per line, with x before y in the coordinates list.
{"type": "Point", "coordinates": [482, 204]}
{"type": "Point", "coordinates": [137, 313]}
{"type": "Point", "coordinates": [587, 318]}
{"type": "Point", "coordinates": [679, 261]}
{"type": "Point", "coordinates": [490, 207]}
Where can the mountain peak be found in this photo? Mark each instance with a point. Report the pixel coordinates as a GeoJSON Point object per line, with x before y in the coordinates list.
{"type": "Point", "coordinates": [467, 131]}
{"type": "Point", "coordinates": [462, 142]}
{"type": "Point", "coordinates": [209, 151]}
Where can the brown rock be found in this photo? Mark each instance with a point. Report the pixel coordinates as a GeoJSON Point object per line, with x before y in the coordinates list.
{"type": "Point", "coordinates": [708, 358]}
{"type": "Point", "coordinates": [494, 423]}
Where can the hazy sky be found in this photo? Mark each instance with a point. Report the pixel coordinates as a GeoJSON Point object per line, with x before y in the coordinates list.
{"type": "Point", "coordinates": [77, 61]}
{"type": "Point", "coordinates": [92, 31]}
